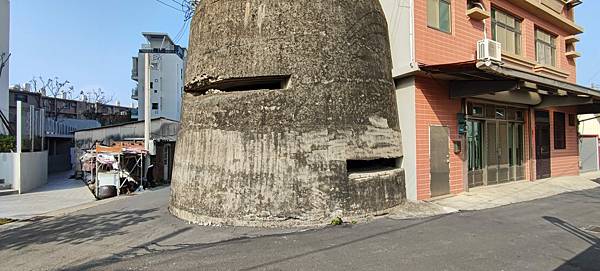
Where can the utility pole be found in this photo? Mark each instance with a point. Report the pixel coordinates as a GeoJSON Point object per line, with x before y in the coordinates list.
{"type": "Point", "coordinates": [147, 113]}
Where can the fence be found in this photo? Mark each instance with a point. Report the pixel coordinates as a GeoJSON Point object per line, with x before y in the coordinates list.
{"type": "Point", "coordinates": [56, 128]}
{"type": "Point", "coordinates": [30, 128]}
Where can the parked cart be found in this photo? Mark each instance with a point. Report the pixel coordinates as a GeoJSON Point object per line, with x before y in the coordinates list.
{"type": "Point", "coordinates": [111, 171]}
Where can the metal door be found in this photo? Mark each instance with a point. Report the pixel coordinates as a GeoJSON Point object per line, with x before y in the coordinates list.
{"type": "Point", "coordinates": [588, 153]}
{"type": "Point", "coordinates": [491, 161]}
{"type": "Point", "coordinates": [439, 158]}
{"type": "Point", "coordinates": [475, 152]}
{"type": "Point", "coordinates": [542, 145]}
{"type": "Point", "coordinates": [167, 161]}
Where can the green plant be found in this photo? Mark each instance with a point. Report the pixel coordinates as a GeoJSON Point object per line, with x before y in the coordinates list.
{"type": "Point", "coordinates": [337, 221]}
{"type": "Point", "coordinates": [7, 143]}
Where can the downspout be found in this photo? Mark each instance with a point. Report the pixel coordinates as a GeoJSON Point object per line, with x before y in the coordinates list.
{"type": "Point", "coordinates": [411, 34]}
{"type": "Point", "coordinates": [484, 23]}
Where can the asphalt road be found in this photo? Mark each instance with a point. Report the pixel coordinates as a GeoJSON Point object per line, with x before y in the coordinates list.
{"type": "Point", "coordinates": [546, 234]}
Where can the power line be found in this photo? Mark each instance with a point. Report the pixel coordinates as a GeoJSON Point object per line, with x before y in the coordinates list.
{"type": "Point", "coordinates": [184, 4]}
{"type": "Point", "coordinates": [169, 5]}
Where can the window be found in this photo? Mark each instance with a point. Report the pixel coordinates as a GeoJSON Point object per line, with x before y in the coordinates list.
{"type": "Point", "coordinates": [154, 106]}
{"type": "Point", "coordinates": [475, 110]}
{"type": "Point", "coordinates": [500, 113]}
{"type": "Point", "coordinates": [559, 131]}
{"type": "Point", "coordinates": [438, 15]}
{"type": "Point", "coordinates": [572, 120]}
{"type": "Point", "coordinates": [151, 84]}
{"type": "Point", "coordinates": [545, 48]}
{"type": "Point", "coordinates": [506, 29]}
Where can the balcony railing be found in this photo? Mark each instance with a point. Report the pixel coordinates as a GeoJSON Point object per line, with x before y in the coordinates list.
{"type": "Point", "coordinates": [57, 128]}
{"type": "Point", "coordinates": [134, 94]}
{"type": "Point", "coordinates": [134, 68]}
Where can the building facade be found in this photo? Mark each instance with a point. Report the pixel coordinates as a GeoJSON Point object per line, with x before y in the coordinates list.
{"type": "Point", "coordinates": [4, 55]}
{"type": "Point", "coordinates": [163, 136]}
{"type": "Point", "coordinates": [471, 117]}
{"type": "Point", "coordinates": [58, 108]}
{"type": "Point", "coordinates": [167, 65]}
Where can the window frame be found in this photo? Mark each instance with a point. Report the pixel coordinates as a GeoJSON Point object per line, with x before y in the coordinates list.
{"type": "Point", "coordinates": [572, 120]}
{"type": "Point", "coordinates": [518, 32]}
{"type": "Point", "coordinates": [438, 5]}
{"type": "Point", "coordinates": [559, 130]}
{"type": "Point", "coordinates": [552, 45]}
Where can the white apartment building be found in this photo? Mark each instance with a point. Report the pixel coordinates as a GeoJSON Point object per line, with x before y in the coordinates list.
{"type": "Point", "coordinates": [167, 65]}
{"type": "Point", "coordinates": [4, 50]}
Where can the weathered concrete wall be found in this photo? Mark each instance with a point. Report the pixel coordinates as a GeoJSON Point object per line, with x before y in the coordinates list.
{"type": "Point", "coordinates": [246, 154]}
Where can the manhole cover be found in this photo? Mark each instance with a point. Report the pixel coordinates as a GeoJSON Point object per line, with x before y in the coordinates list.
{"type": "Point", "coordinates": [595, 229]}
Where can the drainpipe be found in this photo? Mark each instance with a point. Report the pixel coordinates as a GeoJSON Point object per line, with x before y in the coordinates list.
{"type": "Point", "coordinates": [484, 23]}
{"type": "Point", "coordinates": [411, 33]}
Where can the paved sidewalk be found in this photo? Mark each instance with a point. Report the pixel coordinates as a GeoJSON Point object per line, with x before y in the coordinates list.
{"type": "Point", "coordinates": [499, 195]}
{"type": "Point", "coordinates": [60, 192]}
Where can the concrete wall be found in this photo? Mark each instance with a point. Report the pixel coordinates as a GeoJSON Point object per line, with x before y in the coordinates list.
{"type": "Point", "coordinates": [34, 171]}
{"type": "Point", "coordinates": [24, 171]}
{"type": "Point", "coordinates": [7, 165]}
{"type": "Point", "coordinates": [251, 154]}
{"type": "Point", "coordinates": [405, 99]}
{"type": "Point", "coordinates": [4, 48]}
{"type": "Point", "coordinates": [399, 14]}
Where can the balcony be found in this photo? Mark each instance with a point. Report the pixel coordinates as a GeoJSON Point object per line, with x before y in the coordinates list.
{"type": "Point", "coordinates": [549, 11]}
{"type": "Point", "coordinates": [134, 94]}
{"type": "Point", "coordinates": [134, 68]}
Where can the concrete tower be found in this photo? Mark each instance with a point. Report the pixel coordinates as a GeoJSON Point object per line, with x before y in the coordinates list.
{"type": "Point", "coordinates": [289, 113]}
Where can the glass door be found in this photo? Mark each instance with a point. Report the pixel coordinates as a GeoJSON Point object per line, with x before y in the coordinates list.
{"type": "Point", "coordinates": [475, 152]}
{"type": "Point", "coordinates": [515, 143]}
{"type": "Point", "coordinates": [491, 153]}
{"type": "Point", "coordinates": [503, 151]}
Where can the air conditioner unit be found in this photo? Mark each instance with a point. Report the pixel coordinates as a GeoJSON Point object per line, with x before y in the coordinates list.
{"type": "Point", "coordinates": [489, 50]}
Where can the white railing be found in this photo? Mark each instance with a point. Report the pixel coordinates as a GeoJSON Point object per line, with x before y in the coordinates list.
{"type": "Point", "coordinates": [57, 128]}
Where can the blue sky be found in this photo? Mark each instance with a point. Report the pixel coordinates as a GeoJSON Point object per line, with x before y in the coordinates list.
{"type": "Point", "coordinates": [91, 42]}
{"type": "Point", "coordinates": [88, 42]}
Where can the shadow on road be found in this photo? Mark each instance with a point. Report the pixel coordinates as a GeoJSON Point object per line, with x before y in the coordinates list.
{"type": "Point", "coordinates": [587, 260]}
{"type": "Point", "coordinates": [76, 229]}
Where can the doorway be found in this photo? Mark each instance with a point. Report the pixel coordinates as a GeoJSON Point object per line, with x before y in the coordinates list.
{"type": "Point", "coordinates": [167, 162]}
{"type": "Point", "coordinates": [542, 145]}
{"type": "Point", "coordinates": [439, 160]}
{"type": "Point", "coordinates": [495, 144]}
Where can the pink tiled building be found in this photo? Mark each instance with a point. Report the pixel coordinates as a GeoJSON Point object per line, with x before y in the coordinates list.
{"type": "Point", "coordinates": [486, 91]}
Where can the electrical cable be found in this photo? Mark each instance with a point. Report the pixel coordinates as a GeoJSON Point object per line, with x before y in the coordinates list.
{"type": "Point", "coordinates": [169, 5]}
